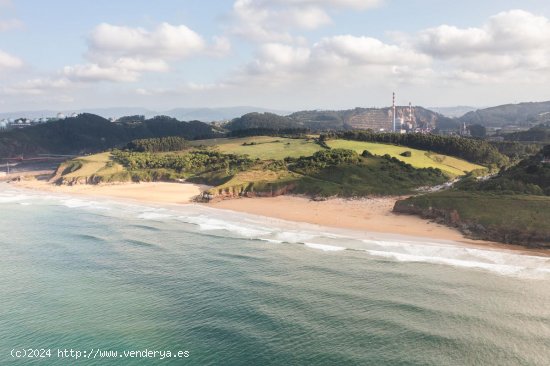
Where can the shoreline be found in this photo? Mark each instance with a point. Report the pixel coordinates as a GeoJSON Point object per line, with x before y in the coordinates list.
{"type": "Point", "coordinates": [372, 215]}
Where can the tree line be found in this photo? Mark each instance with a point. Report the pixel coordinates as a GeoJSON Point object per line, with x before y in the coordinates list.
{"type": "Point", "coordinates": [159, 144]}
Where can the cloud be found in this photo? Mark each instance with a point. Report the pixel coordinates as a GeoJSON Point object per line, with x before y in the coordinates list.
{"type": "Point", "coordinates": [120, 70]}
{"type": "Point", "coordinates": [8, 61]}
{"type": "Point", "coordinates": [337, 59]}
{"type": "Point", "coordinates": [122, 54]}
{"type": "Point", "coordinates": [274, 20]}
{"type": "Point", "coordinates": [10, 24]}
{"type": "Point", "coordinates": [166, 41]}
{"type": "Point", "coordinates": [512, 44]}
{"type": "Point", "coordinates": [38, 86]}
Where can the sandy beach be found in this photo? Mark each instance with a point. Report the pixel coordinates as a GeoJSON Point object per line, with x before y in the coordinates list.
{"type": "Point", "coordinates": [367, 214]}
{"type": "Point", "coordinates": [157, 192]}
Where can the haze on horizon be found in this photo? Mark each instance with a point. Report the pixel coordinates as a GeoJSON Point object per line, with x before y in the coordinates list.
{"type": "Point", "coordinates": [280, 54]}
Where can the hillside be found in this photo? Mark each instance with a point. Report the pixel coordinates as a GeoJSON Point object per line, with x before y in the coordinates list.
{"type": "Point", "coordinates": [417, 158]}
{"type": "Point", "coordinates": [524, 114]}
{"type": "Point", "coordinates": [539, 133]}
{"type": "Point", "coordinates": [88, 133]}
{"type": "Point", "coordinates": [364, 118]}
{"type": "Point", "coordinates": [359, 118]}
{"type": "Point", "coordinates": [511, 207]}
{"type": "Point", "coordinates": [254, 166]}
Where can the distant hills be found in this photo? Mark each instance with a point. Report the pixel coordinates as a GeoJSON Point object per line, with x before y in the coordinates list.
{"type": "Point", "coordinates": [183, 114]}
{"type": "Point", "coordinates": [522, 114]}
{"type": "Point", "coordinates": [89, 133]}
{"type": "Point", "coordinates": [323, 120]}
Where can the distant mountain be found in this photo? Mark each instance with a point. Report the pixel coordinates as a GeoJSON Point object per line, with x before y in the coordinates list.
{"type": "Point", "coordinates": [103, 112]}
{"type": "Point", "coordinates": [523, 114]}
{"type": "Point", "coordinates": [453, 112]}
{"type": "Point", "coordinates": [182, 114]}
{"type": "Point", "coordinates": [216, 114]}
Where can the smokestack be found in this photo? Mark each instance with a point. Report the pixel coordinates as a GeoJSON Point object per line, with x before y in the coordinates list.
{"type": "Point", "coordinates": [393, 107]}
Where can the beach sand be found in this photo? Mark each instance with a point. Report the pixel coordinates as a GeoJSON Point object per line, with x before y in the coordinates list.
{"type": "Point", "coordinates": [157, 192]}
{"type": "Point", "coordinates": [366, 214]}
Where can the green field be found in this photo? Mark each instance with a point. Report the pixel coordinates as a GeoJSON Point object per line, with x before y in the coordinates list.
{"type": "Point", "coordinates": [419, 159]}
{"type": "Point", "coordinates": [262, 147]}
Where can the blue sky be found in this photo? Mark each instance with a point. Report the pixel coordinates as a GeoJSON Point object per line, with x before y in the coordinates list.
{"type": "Point", "coordinates": [284, 54]}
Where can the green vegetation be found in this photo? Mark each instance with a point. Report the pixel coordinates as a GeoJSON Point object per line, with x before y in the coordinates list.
{"type": "Point", "coordinates": [477, 131]}
{"type": "Point", "coordinates": [98, 168]}
{"type": "Point", "coordinates": [88, 133]}
{"type": "Point", "coordinates": [269, 121]}
{"type": "Point", "coordinates": [160, 144]}
{"type": "Point", "coordinates": [516, 150]}
{"type": "Point", "coordinates": [341, 172]}
{"type": "Point", "coordinates": [540, 133]}
{"type": "Point", "coordinates": [419, 159]}
{"type": "Point", "coordinates": [511, 207]}
{"type": "Point", "coordinates": [149, 166]}
{"type": "Point", "coordinates": [529, 176]}
{"type": "Point", "coordinates": [516, 219]}
{"type": "Point", "coordinates": [263, 147]}
{"type": "Point", "coordinates": [516, 114]}
{"type": "Point", "coordinates": [473, 150]}
{"type": "Point", "coordinates": [269, 167]}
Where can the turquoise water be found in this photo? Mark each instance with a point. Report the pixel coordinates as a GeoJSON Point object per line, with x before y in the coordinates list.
{"type": "Point", "coordinates": [234, 289]}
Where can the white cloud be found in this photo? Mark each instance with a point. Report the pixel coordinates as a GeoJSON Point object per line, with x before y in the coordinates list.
{"type": "Point", "coordinates": [510, 44]}
{"type": "Point", "coordinates": [36, 86]}
{"type": "Point", "coordinates": [122, 54]}
{"type": "Point", "coordinates": [125, 69]}
{"type": "Point", "coordinates": [8, 61]}
{"type": "Point", "coordinates": [274, 20]}
{"type": "Point", "coordinates": [166, 41]}
{"type": "Point", "coordinates": [95, 72]}
{"type": "Point", "coordinates": [9, 24]}
{"type": "Point", "coordinates": [337, 59]}
{"type": "Point", "coordinates": [367, 51]}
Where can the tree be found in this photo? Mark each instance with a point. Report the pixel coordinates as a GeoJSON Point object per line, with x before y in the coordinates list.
{"type": "Point", "coordinates": [477, 131]}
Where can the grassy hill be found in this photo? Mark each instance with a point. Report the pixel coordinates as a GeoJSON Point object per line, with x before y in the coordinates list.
{"type": "Point", "coordinates": [98, 168]}
{"type": "Point", "coordinates": [419, 158]}
{"type": "Point", "coordinates": [256, 166]}
{"type": "Point", "coordinates": [263, 147]}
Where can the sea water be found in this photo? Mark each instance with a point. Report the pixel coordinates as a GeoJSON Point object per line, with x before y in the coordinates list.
{"type": "Point", "coordinates": [97, 276]}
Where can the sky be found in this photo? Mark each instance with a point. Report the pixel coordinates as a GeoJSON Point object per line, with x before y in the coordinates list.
{"type": "Point", "coordinates": [280, 54]}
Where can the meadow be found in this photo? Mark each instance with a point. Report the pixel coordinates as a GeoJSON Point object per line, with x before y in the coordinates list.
{"type": "Point", "coordinates": [262, 147]}
{"type": "Point", "coordinates": [419, 158]}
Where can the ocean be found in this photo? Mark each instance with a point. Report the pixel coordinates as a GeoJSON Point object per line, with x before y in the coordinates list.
{"type": "Point", "coordinates": [101, 282]}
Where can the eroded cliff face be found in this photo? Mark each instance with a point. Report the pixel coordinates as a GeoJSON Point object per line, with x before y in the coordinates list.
{"type": "Point", "coordinates": [474, 230]}
{"type": "Point", "coordinates": [245, 191]}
